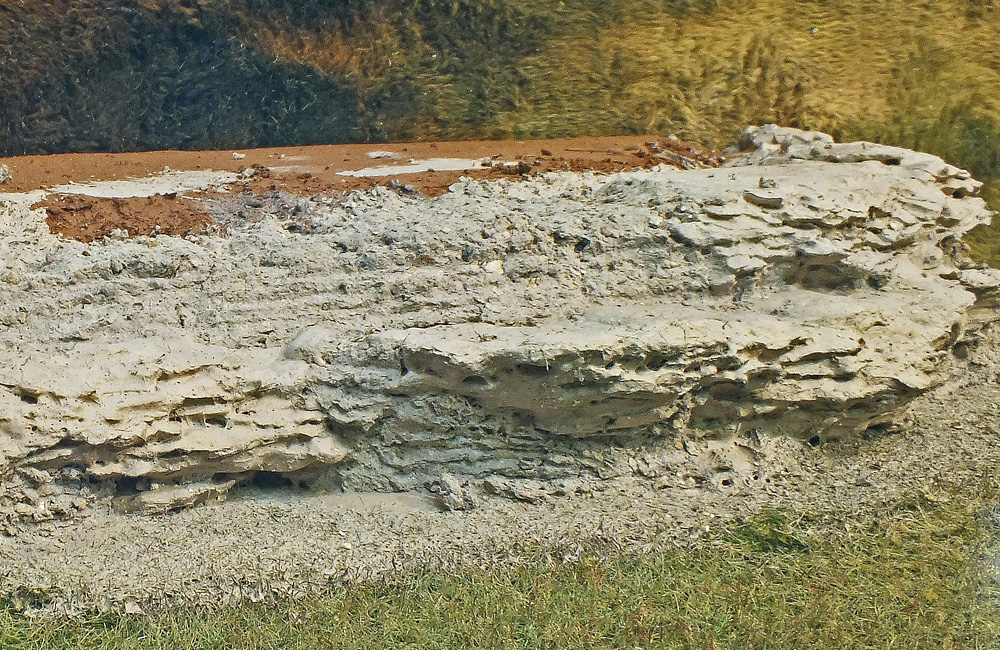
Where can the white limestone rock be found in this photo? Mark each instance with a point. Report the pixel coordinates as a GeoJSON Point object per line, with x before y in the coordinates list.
{"type": "Point", "coordinates": [532, 330]}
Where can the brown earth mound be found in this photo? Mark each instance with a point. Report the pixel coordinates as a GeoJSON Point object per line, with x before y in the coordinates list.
{"type": "Point", "coordinates": [87, 219]}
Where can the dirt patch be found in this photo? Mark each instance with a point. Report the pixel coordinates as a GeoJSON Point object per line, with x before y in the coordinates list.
{"type": "Point", "coordinates": [87, 219]}
{"type": "Point", "coordinates": [317, 170]}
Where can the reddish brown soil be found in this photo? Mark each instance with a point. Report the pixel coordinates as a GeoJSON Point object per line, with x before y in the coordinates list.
{"type": "Point", "coordinates": [87, 219]}
{"type": "Point", "coordinates": [314, 170]}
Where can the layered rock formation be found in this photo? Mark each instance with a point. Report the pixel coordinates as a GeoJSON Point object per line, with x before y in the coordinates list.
{"type": "Point", "coordinates": [561, 327]}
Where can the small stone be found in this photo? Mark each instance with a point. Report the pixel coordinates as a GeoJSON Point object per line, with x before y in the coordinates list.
{"type": "Point", "coordinates": [454, 495]}
{"type": "Point", "coordinates": [36, 476]}
{"type": "Point", "coordinates": [162, 499]}
{"type": "Point", "coordinates": [527, 491]}
{"type": "Point", "coordinates": [744, 263]}
{"type": "Point", "coordinates": [495, 485]}
{"type": "Point", "coordinates": [239, 156]}
{"type": "Point", "coordinates": [763, 199]}
{"type": "Point", "coordinates": [495, 267]}
{"type": "Point", "coordinates": [5, 174]}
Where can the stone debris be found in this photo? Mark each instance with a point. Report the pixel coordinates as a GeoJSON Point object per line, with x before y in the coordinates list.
{"type": "Point", "coordinates": [5, 174]}
{"type": "Point", "coordinates": [561, 328]}
{"type": "Point", "coordinates": [763, 199]}
{"type": "Point", "coordinates": [453, 494]}
{"type": "Point", "coordinates": [161, 499]}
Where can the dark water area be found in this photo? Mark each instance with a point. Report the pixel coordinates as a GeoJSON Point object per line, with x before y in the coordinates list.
{"type": "Point", "coordinates": [92, 75]}
{"type": "Point", "coordinates": [125, 79]}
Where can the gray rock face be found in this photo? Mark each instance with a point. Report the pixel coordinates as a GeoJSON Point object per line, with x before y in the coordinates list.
{"type": "Point", "coordinates": [542, 330]}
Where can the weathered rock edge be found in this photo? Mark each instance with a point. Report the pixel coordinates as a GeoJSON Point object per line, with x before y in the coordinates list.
{"type": "Point", "coordinates": [519, 335]}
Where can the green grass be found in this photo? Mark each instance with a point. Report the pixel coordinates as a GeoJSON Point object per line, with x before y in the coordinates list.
{"type": "Point", "coordinates": [912, 577]}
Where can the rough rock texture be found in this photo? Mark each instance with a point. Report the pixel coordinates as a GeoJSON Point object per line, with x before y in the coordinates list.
{"type": "Point", "coordinates": [523, 336]}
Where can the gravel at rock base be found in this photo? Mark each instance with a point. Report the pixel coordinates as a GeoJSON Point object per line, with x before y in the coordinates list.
{"type": "Point", "coordinates": [263, 544]}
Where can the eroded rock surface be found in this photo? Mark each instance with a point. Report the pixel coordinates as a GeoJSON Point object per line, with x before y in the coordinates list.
{"type": "Point", "coordinates": [524, 337]}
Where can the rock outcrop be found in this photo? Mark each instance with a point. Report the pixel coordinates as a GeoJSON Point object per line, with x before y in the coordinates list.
{"type": "Point", "coordinates": [567, 326]}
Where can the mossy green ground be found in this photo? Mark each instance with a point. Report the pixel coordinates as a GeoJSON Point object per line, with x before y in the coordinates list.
{"type": "Point", "coordinates": [919, 575]}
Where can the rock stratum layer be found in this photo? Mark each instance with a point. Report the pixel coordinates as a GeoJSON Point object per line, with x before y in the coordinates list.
{"type": "Point", "coordinates": [514, 335]}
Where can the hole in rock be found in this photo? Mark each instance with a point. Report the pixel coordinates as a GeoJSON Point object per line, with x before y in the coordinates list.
{"type": "Point", "coordinates": [655, 362]}
{"type": "Point", "coordinates": [815, 441]}
{"type": "Point", "coordinates": [532, 370]}
{"type": "Point", "coordinates": [875, 212]}
{"type": "Point", "coordinates": [266, 481]}
{"type": "Point", "coordinates": [875, 282]}
{"type": "Point", "coordinates": [728, 392]}
{"type": "Point", "coordinates": [217, 421]}
{"type": "Point", "coordinates": [270, 480]}
{"type": "Point", "coordinates": [820, 276]}
{"type": "Point", "coordinates": [582, 245]}
{"type": "Point", "coordinates": [29, 399]}
{"type": "Point", "coordinates": [127, 486]}
{"type": "Point", "coordinates": [524, 419]}
{"type": "Point", "coordinates": [876, 431]}
{"type": "Point", "coordinates": [196, 402]}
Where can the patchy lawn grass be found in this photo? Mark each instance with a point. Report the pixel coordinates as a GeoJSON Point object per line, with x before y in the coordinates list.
{"type": "Point", "coordinates": [920, 575]}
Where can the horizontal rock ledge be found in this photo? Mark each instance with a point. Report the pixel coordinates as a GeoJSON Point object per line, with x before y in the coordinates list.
{"type": "Point", "coordinates": [545, 330]}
